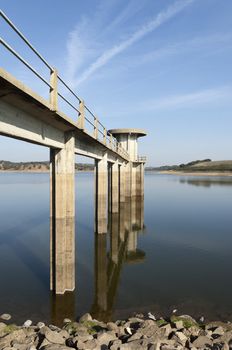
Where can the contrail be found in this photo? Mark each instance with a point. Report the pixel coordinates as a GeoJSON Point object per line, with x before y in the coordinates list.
{"type": "Point", "coordinates": [156, 22]}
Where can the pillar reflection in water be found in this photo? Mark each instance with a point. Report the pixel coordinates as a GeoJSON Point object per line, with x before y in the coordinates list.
{"type": "Point", "coordinates": [62, 306]}
{"type": "Point", "coordinates": [123, 230]}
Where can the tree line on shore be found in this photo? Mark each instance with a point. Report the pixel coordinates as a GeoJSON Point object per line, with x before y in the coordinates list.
{"type": "Point", "coordinates": [37, 166]}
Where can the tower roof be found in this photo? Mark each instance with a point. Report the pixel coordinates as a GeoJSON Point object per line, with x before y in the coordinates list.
{"type": "Point", "coordinates": [138, 132]}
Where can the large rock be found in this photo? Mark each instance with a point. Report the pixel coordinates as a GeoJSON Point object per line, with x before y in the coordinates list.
{"type": "Point", "coordinates": [115, 344]}
{"type": "Point", "coordinates": [111, 326]}
{"type": "Point", "coordinates": [74, 328]}
{"type": "Point", "coordinates": [166, 330]}
{"type": "Point", "coordinates": [226, 337]}
{"type": "Point", "coordinates": [135, 336]}
{"type": "Point", "coordinates": [27, 323]}
{"type": "Point", "coordinates": [85, 317]}
{"type": "Point", "coordinates": [5, 317]}
{"type": "Point", "coordinates": [216, 324]}
{"type": "Point", "coordinates": [90, 344]}
{"type": "Point", "coordinates": [2, 326]}
{"type": "Point", "coordinates": [54, 337]}
{"type": "Point", "coordinates": [17, 335]}
{"type": "Point", "coordinates": [136, 345]}
{"type": "Point", "coordinates": [202, 342]}
{"type": "Point", "coordinates": [181, 336]}
{"type": "Point", "coordinates": [149, 328]}
{"type": "Point", "coordinates": [105, 338]}
{"type": "Point", "coordinates": [56, 347]}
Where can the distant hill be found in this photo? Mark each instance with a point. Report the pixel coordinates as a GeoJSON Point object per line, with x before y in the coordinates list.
{"type": "Point", "coordinates": [37, 166]}
{"type": "Point", "coordinates": [205, 165]}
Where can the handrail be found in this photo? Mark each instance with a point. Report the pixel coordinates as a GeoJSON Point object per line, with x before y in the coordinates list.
{"type": "Point", "coordinates": [142, 159]}
{"type": "Point", "coordinates": [70, 90]}
{"type": "Point", "coordinates": [4, 16]}
{"type": "Point", "coordinates": [69, 103]}
{"type": "Point", "coordinates": [54, 93]}
{"type": "Point", "coordinates": [8, 47]}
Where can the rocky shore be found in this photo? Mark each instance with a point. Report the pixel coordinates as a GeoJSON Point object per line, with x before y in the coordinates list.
{"type": "Point", "coordinates": [135, 333]}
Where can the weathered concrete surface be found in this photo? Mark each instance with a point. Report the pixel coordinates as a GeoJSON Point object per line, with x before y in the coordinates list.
{"type": "Point", "coordinates": [101, 192]}
{"type": "Point", "coordinates": [115, 188]}
{"type": "Point", "coordinates": [62, 211]}
{"type": "Point", "coordinates": [122, 182]}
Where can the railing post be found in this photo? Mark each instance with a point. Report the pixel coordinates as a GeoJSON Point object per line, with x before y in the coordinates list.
{"type": "Point", "coordinates": [105, 134]}
{"type": "Point", "coordinates": [81, 119]}
{"type": "Point", "coordinates": [53, 90]}
{"type": "Point", "coordinates": [95, 133]}
{"type": "Point", "coordinates": [111, 141]}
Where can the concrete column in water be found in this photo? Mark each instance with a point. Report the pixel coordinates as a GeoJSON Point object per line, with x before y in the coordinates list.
{"type": "Point", "coordinates": [101, 194]}
{"type": "Point", "coordinates": [115, 188]}
{"type": "Point", "coordinates": [62, 212]}
{"type": "Point", "coordinates": [137, 179]}
{"type": "Point", "coordinates": [128, 178]}
{"type": "Point", "coordinates": [122, 184]}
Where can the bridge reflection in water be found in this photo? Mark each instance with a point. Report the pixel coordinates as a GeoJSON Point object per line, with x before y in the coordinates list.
{"type": "Point", "coordinates": [112, 251]}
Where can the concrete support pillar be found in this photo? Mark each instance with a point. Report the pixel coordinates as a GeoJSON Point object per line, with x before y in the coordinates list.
{"type": "Point", "coordinates": [142, 179]}
{"type": "Point", "coordinates": [128, 171]}
{"type": "Point", "coordinates": [134, 180]}
{"type": "Point", "coordinates": [122, 183]}
{"type": "Point", "coordinates": [137, 179]}
{"type": "Point", "coordinates": [115, 188]}
{"type": "Point", "coordinates": [62, 212]}
{"type": "Point", "coordinates": [101, 194]}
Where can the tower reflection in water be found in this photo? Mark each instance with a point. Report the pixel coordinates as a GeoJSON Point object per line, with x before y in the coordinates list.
{"type": "Point", "coordinates": [112, 251]}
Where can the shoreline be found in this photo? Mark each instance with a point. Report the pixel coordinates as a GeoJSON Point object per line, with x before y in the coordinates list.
{"type": "Point", "coordinates": [195, 173]}
{"type": "Point", "coordinates": [137, 332]}
{"type": "Point", "coordinates": [39, 171]}
{"type": "Point", "coordinates": [164, 172]}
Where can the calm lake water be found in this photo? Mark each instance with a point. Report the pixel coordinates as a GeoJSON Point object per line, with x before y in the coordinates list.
{"type": "Point", "coordinates": [180, 258]}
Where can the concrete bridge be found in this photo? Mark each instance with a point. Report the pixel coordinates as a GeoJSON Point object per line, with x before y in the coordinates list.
{"type": "Point", "coordinates": [119, 171]}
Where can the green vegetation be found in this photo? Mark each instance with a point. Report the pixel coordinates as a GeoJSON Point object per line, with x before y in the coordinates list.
{"type": "Point", "coordinates": [205, 165]}
{"type": "Point", "coordinates": [187, 321]}
{"type": "Point", "coordinates": [10, 328]}
{"type": "Point", "coordinates": [161, 322]}
{"type": "Point", "coordinates": [37, 166]}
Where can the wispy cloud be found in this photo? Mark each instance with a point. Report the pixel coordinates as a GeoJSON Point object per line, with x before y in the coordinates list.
{"type": "Point", "coordinates": [205, 45]}
{"type": "Point", "coordinates": [202, 97]}
{"type": "Point", "coordinates": [110, 53]}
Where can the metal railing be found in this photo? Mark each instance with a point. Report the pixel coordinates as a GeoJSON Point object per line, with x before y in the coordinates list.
{"type": "Point", "coordinates": [142, 159]}
{"type": "Point", "coordinates": [98, 131]}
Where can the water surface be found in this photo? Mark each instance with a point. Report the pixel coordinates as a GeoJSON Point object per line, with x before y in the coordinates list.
{"type": "Point", "coordinates": [177, 256]}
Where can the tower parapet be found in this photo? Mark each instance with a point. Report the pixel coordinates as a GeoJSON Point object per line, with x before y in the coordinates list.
{"type": "Point", "coordinates": [128, 139]}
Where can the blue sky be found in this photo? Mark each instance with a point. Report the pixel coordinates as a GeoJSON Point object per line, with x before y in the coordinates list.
{"type": "Point", "coordinates": [160, 65]}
